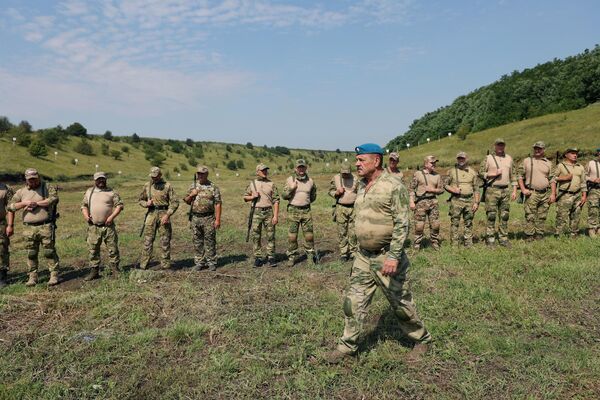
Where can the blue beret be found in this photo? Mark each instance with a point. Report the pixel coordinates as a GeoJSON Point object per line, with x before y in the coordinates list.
{"type": "Point", "coordinates": [368, 148]}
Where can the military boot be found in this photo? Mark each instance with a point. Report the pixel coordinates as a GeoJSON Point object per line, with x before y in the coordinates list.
{"type": "Point", "coordinates": [53, 278]}
{"type": "Point", "coordinates": [335, 357]}
{"type": "Point", "coordinates": [290, 262]}
{"type": "Point", "coordinates": [3, 276]}
{"type": "Point", "coordinates": [592, 233]}
{"type": "Point", "coordinates": [93, 274]}
{"type": "Point", "coordinates": [33, 277]}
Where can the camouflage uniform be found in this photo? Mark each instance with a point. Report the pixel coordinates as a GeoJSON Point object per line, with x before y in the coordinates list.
{"type": "Point", "coordinates": [426, 204]}
{"type": "Point", "coordinates": [593, 197]}
{"type": "Point", "coordinates": [569, 196]}
{"type": "Point", "coordinates": [343, 212]}
{"type": "Point", "coordinates": [537, 176]}
{"type": "Point", "coordinates": [461, 205]}
{"type": "Point", "coordinates": [399, 174]}
{"type": "Point", "coordinates": [165, 202]}
{"type": "Point", "coordinates": [498, 195]}
{"type": "Point", "coordinates": [263, 215]}
{"type": "Point", "coordinates": [299, 215]}
{"type": "Point", "coordinates": [6, 194]}
{"type": "Point", "coordinates": [100, 203]}
{"type": "Point", "coordinates": [382, 224]}
{"type": "Point", "coordinates": [37, 228]}
{"type": "Point", "coordinates": [204, 233]}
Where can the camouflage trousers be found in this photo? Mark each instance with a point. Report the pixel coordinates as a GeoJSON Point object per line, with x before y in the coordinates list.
{"type": "Point", "coordinates": [364, 281]}
{"type": "Point", "coordinates": [263, 219]}
{"type": "Point", "coordinates": [300, 218]}
{"type": "Point", "coordinates": [497, 205]}
{"type": "Point", "coordinates": [536, 208]}
{"type": "Point", "coordinates": [427, 209]}
{"type": "Point", "coordinates": [107, 234]}
{"type": "Point", "coordinates": [36, 236]}
{"type": "Point", "coordinates": [204, 237]}
{"type": "Point", "coordinates": [593, 202]}
{"type": "Point", "coordinates": [153, 226]}
{"type": "Point", "coordinates": [344, 216]}
{"type": "Point", "coordinates": [461, 207]}
{"type": "Point", "coordinates": [568, 213]}
{"type": "Point", "coordinates": [4, 252]}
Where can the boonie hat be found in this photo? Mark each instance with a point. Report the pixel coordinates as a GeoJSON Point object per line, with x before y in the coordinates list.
{"type": "Point", "coordinates": [31, 173]}
{"type": "Point", "coordinates": [461, 154]}
{"type": "Point", "coordinates": [261, 167]}
{"type": "Point", "coordinates": [394, 156]}
{"type": "Point", "coordinates": [368, 148]}
{"type": "Point", "coordinates": [540, 144]}
{"type": "Point", "coordinates": [300, 163]}
{"type": "Point", "coordinates": [154, 172]}
{"type": "Point", "coordinates": [499, 141]}
{"type": "Point", "coordinates": [99, 175]}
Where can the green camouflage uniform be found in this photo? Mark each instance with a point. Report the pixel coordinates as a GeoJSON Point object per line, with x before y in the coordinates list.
{"type": "Point", "coordinates": [39, 232]}
{"type": "Point", "coordinates": [426, 206]}
{"type": "Point", "coordinates": [6, 194]}
{"type": "Point", "coordinates": [165, 202]}
{"type": "Point", "coordinates": [568, 197]}
{"type": "Point", "coordinates": [98, 231]}
{"type": "Point", "coordinates": [497, 200]}
{"type": "Point", "coordinates": [204, 234]}
{"type": "Point", "coordinates": [300, 216]}
{"type": "Point", "coordinates": [461, 206]}
{"type": "Point", "coordinates": [382, 224]}
{"type": "Point", "coordinates": [593, 196]}
{"type": "Point", "coordinates": [344, 214]}
{"type": "Point", "coordinates": [536, 205]}
{"type": "Point", "coordinates": [263, 215]}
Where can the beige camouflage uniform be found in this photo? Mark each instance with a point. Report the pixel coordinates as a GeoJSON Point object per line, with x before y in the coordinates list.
{"type": "Point", "coordinates": [6, 194]}
{"type": "Point", "coordinates": [461, 205]}
{"type": "Point", "coordinates": [299, 215]}
{"type": "Point", "coordinates": [344, 211]}
{"type": "Point", "coordinates": [165, 202]}
{"type": "Point", "coordinates": [263, 215]}
{"type": "Point", "coordinates": [593, 198]}
{"type": "Point", "coordinates": [498, 195]}
{"type": "Point", "coordinates": [426, 204]}
{"type": "Point", "coordinates": [537, 176]}
{"type": "Point", "coordinates": [100, 204]}
{"type": "Point", "coordinates": [204, 234]}
{"type": "Point", "coordinates": [382, 224]}
{"type": "Point", "coordinates": [568, 198]}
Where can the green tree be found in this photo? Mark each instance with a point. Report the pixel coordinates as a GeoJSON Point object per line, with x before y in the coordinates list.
{"type": "Point", "coordinates": [116, 154]}
{"type": "Point", "coordinates": [104, 149]}
{"type": "Point", "coordinates": [108, 136]}
{"type": "Point", "coordinates": [5, 124]}
{"type": "Point", "coordinates": [76, 129]}
{"type": "Point", "coordinates": [232, 165]}
{"type": "Point", "coordinates": [463, 131]}
{"type": "Point", "coordinates": [249, 146]}
{"type": "Point", "coordinates": [84, 147]}
{"type": "Point", "coordinates": [25, 126]}
{"type": "Point", "coordinates": [38, 149]}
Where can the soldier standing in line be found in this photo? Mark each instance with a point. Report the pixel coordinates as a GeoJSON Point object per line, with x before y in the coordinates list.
{"type": "Point", "coordinates": [425, 186]}
{"type": "Point", "coordinates": [7, 219]}
{"type": "Point", "coordinates": [100, 206]}
{"type": "Point", "coordinates": [392, 168]}
{"type": "Point", "coordinates": [205, 199]}
{"type": "Point", "coordinates": [300, 190]}
{"type": "Point", "coordinates": [463, 185]}
{"type": "Point", "coordinates": [593, 198]}
{"type": "Point", "coordinates": [535, 175]}
{"type": "Point", "coordinates": [265, 197]}
{"type": "Point", "coordinates": [498, 172]}
{"type": "Point", "coordinates": [382, 223]}
{"type": "Point", "coordinates": [38, 201]}
{"type": "Point", "coordinates": [159, 198]}
{"type": "Point", "coordinates": [571, 185]}
{"type": "Point", "coordinates": [343, 189]}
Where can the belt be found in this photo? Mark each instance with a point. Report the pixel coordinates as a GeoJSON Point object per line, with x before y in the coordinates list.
{"type": "Point", "coordinates": [263, 208]}
{"type": "Point", "coordinates": [465, 196]}
{"type": "Point", "coordinates": [98, 225]}
{"type": "Point", "coordinates": [540, 190]}
{"type": "Point", "coordinates": [368, 253]}
{"type": "Point", "coordinates": [568, 191]}
{"type": "Point", "coordinates": [204, 214]}
{"type": "Point", "coordinates": [307, 207]}
{"type": "Point", "coordinates": [346, 205]}
{"type": "Point", "coordinates": [499, 186]}
{"type": "Point", "coordinates": [419, 198]}
{"type": "Point", "coordinates": [154, 208]}
{"type": "Point", "coordinates": [36, 223]}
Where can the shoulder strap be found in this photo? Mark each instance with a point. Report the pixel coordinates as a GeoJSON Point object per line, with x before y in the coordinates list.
{"type": "Point", "coordinates": [597, 172]}
{"type": "Point", "coordinates": [338, 183]}
{"type": "Point", "coordinates": [495, 162]}
{"type": "Point", "coordinates": [456, 171]}
{"type": "Point", "coordinates": [254, 185]}
{"type": "Point", "coordinates": [425, 177]}
{"type": "Point", "coordinates": [90, 200]}
{"type": "Point", "coordinates": [530, 172]}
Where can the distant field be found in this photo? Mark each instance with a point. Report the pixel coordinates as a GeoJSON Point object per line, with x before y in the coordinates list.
{"type": "Point", "coordinates": [518, 323]}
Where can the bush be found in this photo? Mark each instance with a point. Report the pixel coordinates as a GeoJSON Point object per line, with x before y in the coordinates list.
{"type": "Point", "coordinates": [116, 154]}
{"type": "Point", "coordinates": [84, 147]}
{"type": "Point", "coordinates": [104, 149]}
{"type": "Point", "coordinates": [183, 167]}
{"type": "Point", "coordinates": [157, 159]}
{"type": "Point", "coordinates": [463, 131]}
{"type": "Point", "coordinates": [189, 142]}
{"type": "Point", "coordinates": [76, 129]}
{"type": "Point", "coordinates": [23, 139]}
{"type": "Point", "coordinates": [108, 135]}
{"type": "Point", "coordinates": [232, 165]}
{"type": "Point", "coordinates": [38, 149]}
{"type": "Point", "coordinates": [249, 146]}
{"type": "Point", "coordinates": [228, 148]}
{"type": "Point", "coordinates": [239, 164]}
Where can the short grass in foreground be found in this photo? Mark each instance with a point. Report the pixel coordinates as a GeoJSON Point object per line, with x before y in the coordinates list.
{"type": "Point", "coordinates": [508, 323]}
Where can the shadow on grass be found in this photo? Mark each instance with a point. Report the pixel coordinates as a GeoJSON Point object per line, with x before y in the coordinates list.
{"type": "Point", "coordinates": [386, 328]}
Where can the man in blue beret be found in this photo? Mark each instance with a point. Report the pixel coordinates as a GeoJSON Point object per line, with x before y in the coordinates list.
{"type": "Point", "coordinates": [381, 227]}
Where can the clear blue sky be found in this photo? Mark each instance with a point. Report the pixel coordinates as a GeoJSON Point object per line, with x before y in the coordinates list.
{"type": "Point", "coordinates": [313, 74]}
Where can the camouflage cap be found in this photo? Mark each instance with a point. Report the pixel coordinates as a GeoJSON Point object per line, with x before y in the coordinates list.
{"type": "Point", "coordinates": [31, 173]}
{"type": "Point", "coordinates": [345, 169]}
{"type": "Point", "coordinates": [394, 156]}
{"type": "Point", "coordinates": [300, 163]}
{"type": "Point", "coordinates": [154, 172]}
{"type": "Point", "coordinates": [430, 159]}
{"type": "Point", "coordinates": [261, 167]}
{"type": "Point", "coordinates": [540, 144]}
{"type": "Point", "coordinates": [99, 175]}
{"type": "Point", "coordinates": [368, 148]}
{"type": "Point", "coordinates": [202, 169]}
{"type": "Point", "coordinates": [499, 141]}
{"type": "Point", "coordinates": [461, 154]}
{"type": "Point", "coordinates": [571, 150]}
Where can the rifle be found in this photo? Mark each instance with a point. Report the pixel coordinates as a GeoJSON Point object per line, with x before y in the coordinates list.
{"type": "Point", "coordinates": [487, 184]}
{"type": "Point", "coordinates": [54, 215]}
{"type": "Point", "coordinates": [527, 186]}
{"type": "Point", "coordinates": [147, 210]}
{"type": "Point", "coordinates": [251, 214]}
{"type": "Point", "coordinates": [192, 202]}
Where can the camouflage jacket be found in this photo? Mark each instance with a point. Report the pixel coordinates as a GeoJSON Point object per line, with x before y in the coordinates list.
{"type": "Point", "coordinates": [161, 193]}
{"type": "Point", "coordinates": [208, 196]}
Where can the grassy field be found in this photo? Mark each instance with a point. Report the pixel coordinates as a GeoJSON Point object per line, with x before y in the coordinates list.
{"type": "Point", "coordinates": [507, 323]}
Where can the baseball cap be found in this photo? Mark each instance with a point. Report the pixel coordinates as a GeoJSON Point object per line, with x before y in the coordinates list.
{"type": "Point", "coordinates": [31, 173]}
{"type": "Point", "coordinates": [345, 169]}
{"type": "Point", "coordinates": [154, 172]}
{"type": "Point", "coordinates": [571, 150]}
{"type": "Point", "coordinates": [430, 159]}
{"type": "Point", "coordinates": [99, 175]}
{"type": "Point", "coordinates": [368, 148]}
{"type": "Point", "coordinates": [540, 144]}
{"type": "Point", "coordinates": [461, 154]}
{"type": "Point", "coordinates": [300, 163]}
{"type": "Point", "coordinates": [261, 167]}
{"type": "Point", "coordinates": [499, 141]}
{"type": "Point", "coordinates": [394, 156]}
